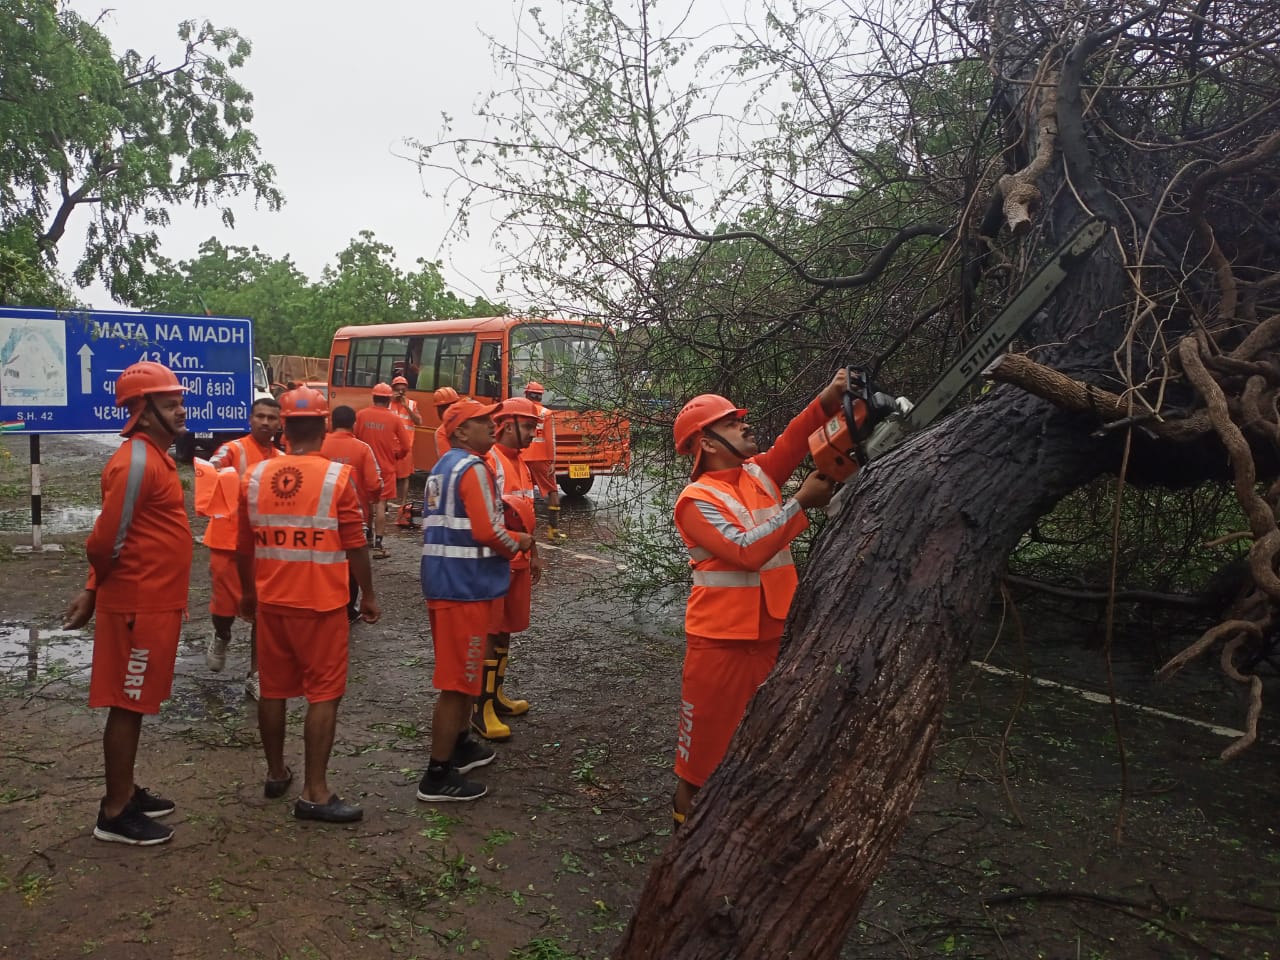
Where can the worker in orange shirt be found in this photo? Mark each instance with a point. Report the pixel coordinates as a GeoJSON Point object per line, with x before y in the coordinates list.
{"type": "Point", "coordinates": [391, 442]}
{"type": "Point", "coordinates": [406, 408]}
{"type": "Point", "coordinates": [465, 572]}
{"type": "Point", "coordinates": [300, 527]}
{"type": "Point", "coordinates": [541, 458]}
{"type": "Point", "coordinates": [738, 532]}
{"type": "Point", "coordinates": [139, 570]}
{"type": "Point", "coordinates": [444, 398]}
{"type": "Point", "coordinates": [517, 422]}
{"type": "Point", "coordinates": [341, 446]}
{"type": "Point", "coordinates": [220, 538]}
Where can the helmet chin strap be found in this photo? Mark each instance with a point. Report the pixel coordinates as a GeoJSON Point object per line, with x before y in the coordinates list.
{"type": "Point", "coordinates": [164, 422]}
{"type": "Point", "coordinates": [724, 443]}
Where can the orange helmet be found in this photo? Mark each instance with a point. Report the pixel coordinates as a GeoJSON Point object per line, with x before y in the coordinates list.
{"type": "Point", "coordinates": [145, 377]}
{"type": "Point", "coordinates": [142, 379]}
{"type": "Point", "coordinates": [303, 402]}
{"type": "Point", "coordinates": [698, 414]}
{"type": "Point", "coordinates": [533, 386]}
{"type": "Point", "coordinates": [399, 380]}
{"type": "Point", "coordinates": [517, 407]}
{"type": "Point", "coordinates": [382, 390]}
{"type": "Point", "coordinates": [445, 395]}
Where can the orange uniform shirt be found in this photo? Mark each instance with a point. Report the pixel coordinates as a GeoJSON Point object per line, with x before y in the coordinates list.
{"type": "Point", "coordinates": [140, 548]}
{"type": "Point", "coordinates": [341, 446]}
{"type": "Point", "coordinates": [515, 487]}
{"type": "Point", "coordinates": [443, 445]}
{"type": "Point", "coordinates": [391, 441]}
{"type": "Point", "coordinates": [406, 412]}
{"type": "Point", "coordinates": [242, 454]}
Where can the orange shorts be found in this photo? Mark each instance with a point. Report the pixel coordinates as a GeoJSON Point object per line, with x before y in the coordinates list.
{"type": "Point", "coordinates": [544, 475]}
{"type": "Point", "coordinates": [720, 677]}
{"type": "Point", "coordinates": [302, 653]}
{"type": "Point", "coordinates": [133, 656]}
{"type": "Point", "coordinates": [388, 482]}
{"type": "Point", "coordinates": [404, 467]}
{"type": "Point", "coordinates": [224, 584]}
{"type": "Point", "coordinates": [513, 616]}
{"type": "Point", "coordinates": [458, 631]}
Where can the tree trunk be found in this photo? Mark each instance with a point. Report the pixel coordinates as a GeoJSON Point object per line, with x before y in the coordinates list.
{"type": "Point", "coordinates": [789, 834]}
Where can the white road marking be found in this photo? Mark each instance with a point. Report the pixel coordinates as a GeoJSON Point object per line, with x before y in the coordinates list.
{"type": "Point", "coordinates": [1094, 697]}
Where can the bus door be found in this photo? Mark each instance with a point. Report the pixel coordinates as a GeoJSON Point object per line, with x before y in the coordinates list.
{"type": "Point", "coordinates": [489, 368]}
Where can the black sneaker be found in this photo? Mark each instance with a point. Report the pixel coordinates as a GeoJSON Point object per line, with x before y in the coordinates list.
{"type": "Point", "coordinates": [451, 788]}
{"type": "Point", "coordinates": [131, 826]}
{"type": "Point", "coordinates": [469, 754]}
{"type": "Point", "coordinates": [150, 804]}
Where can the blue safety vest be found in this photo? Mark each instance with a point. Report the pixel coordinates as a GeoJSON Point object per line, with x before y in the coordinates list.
{"type": "Point", "coordinates": [454, 566]}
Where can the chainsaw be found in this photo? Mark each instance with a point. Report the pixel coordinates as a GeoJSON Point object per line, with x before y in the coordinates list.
{"type": "Point", "coordinates": [870, 423]}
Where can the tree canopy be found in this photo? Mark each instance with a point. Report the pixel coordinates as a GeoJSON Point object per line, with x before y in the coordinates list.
{"type": "Point", "coordinates": [116, 139]}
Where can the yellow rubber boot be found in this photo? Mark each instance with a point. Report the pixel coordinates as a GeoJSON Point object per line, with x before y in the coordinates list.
{"type": "Point", "coordinates": [484, 716]}
{"type": "Point", "coordinates": [553, 525]}
{"type": "Point", "coordinates": [505, 706]}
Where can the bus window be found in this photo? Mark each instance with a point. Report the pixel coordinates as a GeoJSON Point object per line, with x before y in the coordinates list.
{"type": "Point", "coordinates": [489, 370]}
{"type": "Point", "coordinates": [376, 360]}
{"type": "Point", "coordinates": [338, 375]}
{"type": "Point", "coordinates": [573, 363]}
{"type": "Point", "coordinates": [445, 361]}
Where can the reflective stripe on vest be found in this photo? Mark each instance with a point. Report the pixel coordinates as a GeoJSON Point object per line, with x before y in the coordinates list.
{"type": "Point", "coordinates": [465, 553]}
{"type": "Point", "coordinates": [291, 566]}
{"type": "Point", "coordinates": [727, 601]}
{"type": "Point", "coordinates": [454, 566]}
{"type": "Point", "coordinates": [725, 578]}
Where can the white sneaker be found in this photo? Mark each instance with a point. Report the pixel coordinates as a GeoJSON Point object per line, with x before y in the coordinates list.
{"type": "Point", "coordinates": [252, 687]}
{"type": "Point", "coordinates": [215, 653]}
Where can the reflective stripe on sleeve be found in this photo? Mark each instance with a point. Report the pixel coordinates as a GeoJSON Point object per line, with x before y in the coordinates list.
{"type": "Point", "coordinates": [132, 489]}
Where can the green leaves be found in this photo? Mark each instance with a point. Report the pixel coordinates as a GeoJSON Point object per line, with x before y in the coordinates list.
{"type": "Point", "coordinates": [292, 314]}
{"type": "Point", "coordinates": [117, 140]}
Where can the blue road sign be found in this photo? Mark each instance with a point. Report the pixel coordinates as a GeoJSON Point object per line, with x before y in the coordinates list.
{"type": "Point", "coordinates": [58, 369]}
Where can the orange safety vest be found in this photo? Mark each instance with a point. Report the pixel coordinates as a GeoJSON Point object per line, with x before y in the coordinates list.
{"type": "Point", "coordinates": [299, 560]}
{"type": "Point", "coordinates": [725, 600]}
{"type": "Point", "coordinates": [543, 446]}
{"type": "Point", "coordinates": [241, 454]}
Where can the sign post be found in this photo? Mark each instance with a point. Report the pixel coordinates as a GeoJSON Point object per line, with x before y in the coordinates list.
{"type": "Point", "coordinates": [58, 372]}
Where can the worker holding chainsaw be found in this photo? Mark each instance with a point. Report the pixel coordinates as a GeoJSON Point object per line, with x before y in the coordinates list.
{"type": "Point", "coordinates": [738, 531]}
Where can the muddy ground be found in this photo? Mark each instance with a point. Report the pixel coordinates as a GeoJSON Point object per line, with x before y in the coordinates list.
{"type": "Point", "coordinates": [1020, 846]}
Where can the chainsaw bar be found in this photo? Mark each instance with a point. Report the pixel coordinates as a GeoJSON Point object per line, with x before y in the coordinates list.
{"type": "Point", "coordinates": [997, 335]}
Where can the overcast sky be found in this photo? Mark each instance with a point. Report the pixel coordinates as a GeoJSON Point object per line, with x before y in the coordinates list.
{"type": "Point", "coordinates": [336, 87]}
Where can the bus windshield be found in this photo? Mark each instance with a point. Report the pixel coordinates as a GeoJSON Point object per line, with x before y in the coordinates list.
{"type": "Point", "coordinates": [574, 364]}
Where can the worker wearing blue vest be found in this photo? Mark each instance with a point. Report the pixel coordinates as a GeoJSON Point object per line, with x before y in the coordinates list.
{"type": "Point", "coordinates": [466, 570]}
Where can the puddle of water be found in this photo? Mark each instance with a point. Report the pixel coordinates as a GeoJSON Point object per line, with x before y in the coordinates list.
{"type": "Point", "coordinates": [29, 653]}
{"type": "Point", "coordinates": [56, 520]}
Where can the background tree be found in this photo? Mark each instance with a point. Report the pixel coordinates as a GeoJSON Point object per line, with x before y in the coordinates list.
{"type": "Point", "coordinates": [235, 281]}
{"type": "Point", "coordinates": [122, 139]}
{"type": "Point", "coordinates": [293, 314]}
{"type": "Point", "coordinates": [903, 169]}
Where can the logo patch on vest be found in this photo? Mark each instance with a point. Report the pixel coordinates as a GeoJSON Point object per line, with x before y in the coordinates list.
{"type": "Point", "coordinates": [286, 483]}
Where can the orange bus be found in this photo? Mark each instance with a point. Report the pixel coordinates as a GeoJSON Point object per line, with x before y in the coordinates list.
{"type": "Point", "coordinates": [493, 358]}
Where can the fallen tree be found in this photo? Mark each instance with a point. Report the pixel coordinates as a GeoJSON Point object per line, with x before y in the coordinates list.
{"type": "Point", "coordinates": [1156, 365]}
